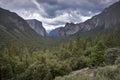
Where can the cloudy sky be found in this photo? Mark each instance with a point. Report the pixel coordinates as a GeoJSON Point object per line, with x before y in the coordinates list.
{"type": "Point", "coordinates": [55, 13]}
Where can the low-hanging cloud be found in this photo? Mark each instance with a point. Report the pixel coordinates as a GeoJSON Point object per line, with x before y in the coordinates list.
{"type": "Point", "coordinates": [54, 13]}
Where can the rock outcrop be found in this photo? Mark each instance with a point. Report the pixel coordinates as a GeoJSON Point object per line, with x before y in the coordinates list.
{"type": "Point", "coordinates": [37, 26]}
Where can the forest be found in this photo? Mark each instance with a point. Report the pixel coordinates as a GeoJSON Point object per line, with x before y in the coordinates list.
{"type": "Point", "coordinates": [100, 54]}
{"type": "Point", "coordinates": [59, 40]}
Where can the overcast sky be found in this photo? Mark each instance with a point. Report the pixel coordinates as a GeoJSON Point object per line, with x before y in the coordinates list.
{"type": "Point", "coordinates": [55, 13]}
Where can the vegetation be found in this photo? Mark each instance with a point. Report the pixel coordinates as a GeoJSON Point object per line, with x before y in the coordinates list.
{"type": "Point", "coordinates": [30, 62]}
{"type": "Point", "coordinates": [102, 73]}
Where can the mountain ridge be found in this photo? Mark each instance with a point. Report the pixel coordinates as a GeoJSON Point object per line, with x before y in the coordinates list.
{"type": "Point", "coordinates": [109, 17]}
{"type": "Point", "coordinates": [14, 28]}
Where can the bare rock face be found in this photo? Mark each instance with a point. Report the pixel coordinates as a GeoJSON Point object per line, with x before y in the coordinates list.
{"type": "Point", "coordinates": [108, 18]}
{"type": "Point", "coordinates": [37, 26]}
{"type": "Point", "coordinates": [69, 29]}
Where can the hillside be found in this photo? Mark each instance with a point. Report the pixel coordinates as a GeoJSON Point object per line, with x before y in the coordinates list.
{"type": "Point", "coordinates": [83, 51]}
{"type": "Point", "coordinates": [108, 18]}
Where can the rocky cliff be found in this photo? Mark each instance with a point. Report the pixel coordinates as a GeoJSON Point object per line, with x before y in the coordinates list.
{"type": "Point", "coordinates": [37, 26]}
{"type": "Point", "coordinates": [106, 19]}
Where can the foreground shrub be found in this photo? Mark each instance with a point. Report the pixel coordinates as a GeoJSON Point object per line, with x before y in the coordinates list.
{"type": "Point", "coordinates": [117, 60]}
{"type": "Point", "coordinates": [74, 77]}
{"type": "Point", "coordinates": [111, 55]}
{"type": "Point", "coordinates": [45, 69]}
{"type": "Point", "coordinates": [101, 73]}
{"type": "Point", "coordinates": [108, 72]}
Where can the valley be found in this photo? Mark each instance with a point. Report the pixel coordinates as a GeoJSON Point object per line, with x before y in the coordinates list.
{"type": "Point", "coordinates": [88, 50]}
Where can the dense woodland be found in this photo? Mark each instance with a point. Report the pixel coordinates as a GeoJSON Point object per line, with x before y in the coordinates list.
{"type": "Point", "coordinates": [101, 54]}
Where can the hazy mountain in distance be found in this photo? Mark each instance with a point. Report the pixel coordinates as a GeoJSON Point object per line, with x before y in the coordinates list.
{"type": "Point", "coordinates": [55, 32]}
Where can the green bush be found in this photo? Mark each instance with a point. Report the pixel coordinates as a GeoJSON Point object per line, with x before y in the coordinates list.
{"type": "Point", "coordinates": [101, 73]}
{"type": "Point", "coordinates": [74, 77]}
{"type": "Point", "coordinates": [108, 72]}
{"type": "Point", "coordinates": [111, 55]}
{"type": "Point", "coordinates": [45, 68]}
{"type": "Point", "coordinates": [117, 61]}
{"type": "Point", "coordinates": [7, 72]}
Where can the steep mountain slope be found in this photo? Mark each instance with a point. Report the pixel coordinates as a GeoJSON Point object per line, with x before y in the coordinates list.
{"type": "Point", "coordinates": [108, 18]}
{"type": "Point", "coordinates": [14, 24]}
{"type": "Point", "coordinates": [15, 29]}
{"type": "Point", "coordinates": [37, 26]}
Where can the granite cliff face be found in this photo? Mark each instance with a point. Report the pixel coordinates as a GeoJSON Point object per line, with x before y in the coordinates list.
{"type": "Point", "coordinates": [69, 29]}
{"type": "Point", "coordinates": [108, 18]}
{"type": "Point", "coordinates": [37, 26]}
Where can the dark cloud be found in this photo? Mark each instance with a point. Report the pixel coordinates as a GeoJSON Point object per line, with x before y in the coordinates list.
{"type": "Point", "coordinates": [83, 6]}
{"type": "Point", "coordinates": [51, 2]}
{"type": "Point", "coordinates": [15, 4]}
{"type": "Point", "coordinates": [56, 12]}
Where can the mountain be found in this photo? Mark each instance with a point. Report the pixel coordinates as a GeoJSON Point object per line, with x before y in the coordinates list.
{"type": "Point", "coordinates": [105, 20]}
{"type": "Point", "coordinates": [37, 26]}
{"type": "Point", "coordinates": [55, 32]}
{"type": "Point", "coordinates": [69, 29]}
{"type": "Point", "coordinates": [14, 28]}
